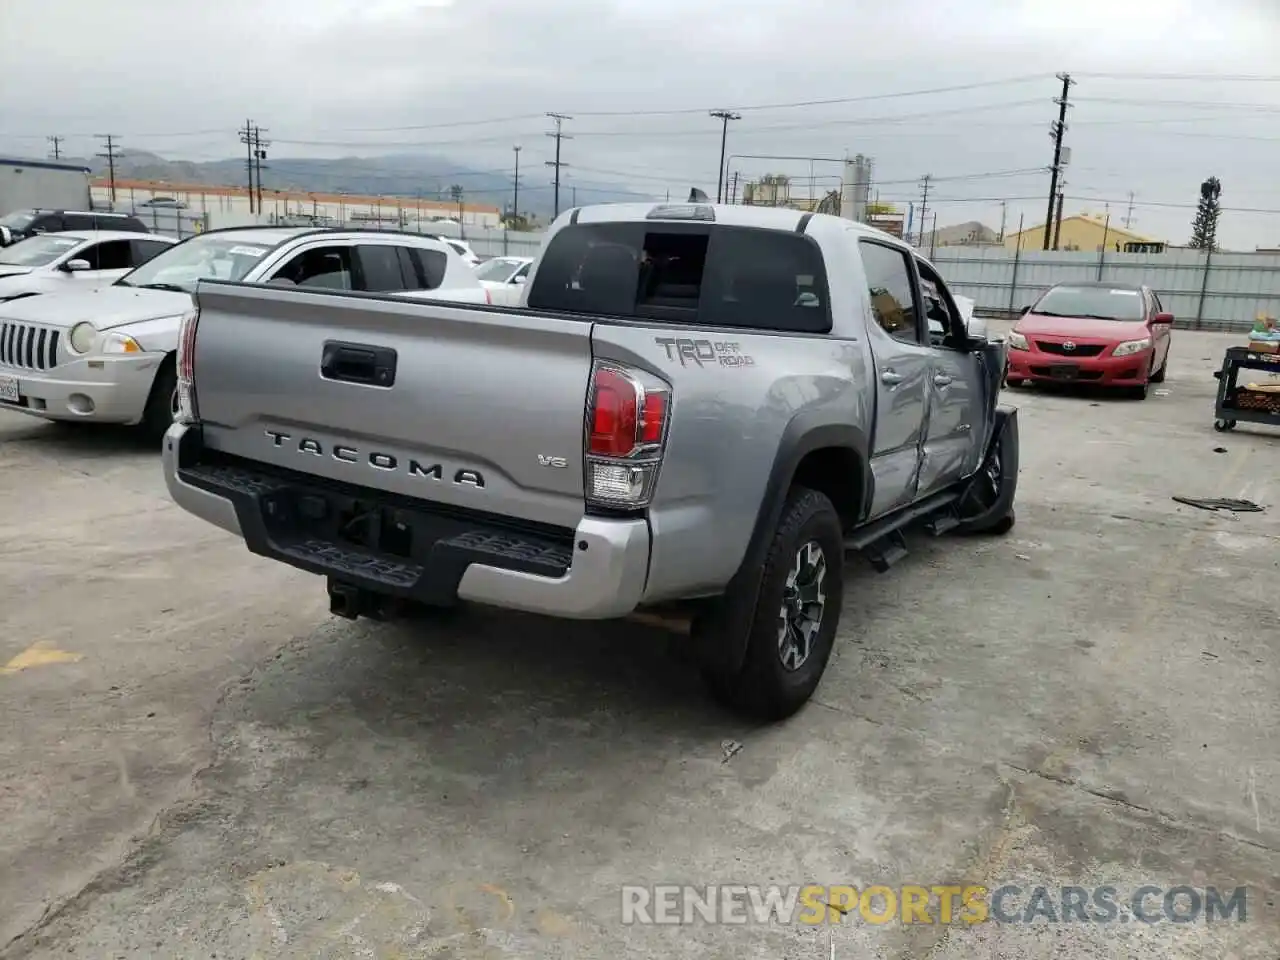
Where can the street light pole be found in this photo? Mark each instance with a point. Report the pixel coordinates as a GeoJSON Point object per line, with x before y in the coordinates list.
{"type": "Point", "coordinates": [724, 116]}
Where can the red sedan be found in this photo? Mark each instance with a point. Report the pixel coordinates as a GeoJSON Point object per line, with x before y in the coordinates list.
{"type": "Point", "coordinates": [1111, 334]}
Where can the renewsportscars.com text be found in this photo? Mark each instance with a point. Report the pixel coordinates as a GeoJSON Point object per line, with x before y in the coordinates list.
{"type": "Point", "coordinates": [932, 904]}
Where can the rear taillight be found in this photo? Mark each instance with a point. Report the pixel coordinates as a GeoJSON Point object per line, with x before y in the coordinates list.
{"type": "Point", "coordinates": [186, 411]}
{"type": "Point", "coordinates": [626, 428]}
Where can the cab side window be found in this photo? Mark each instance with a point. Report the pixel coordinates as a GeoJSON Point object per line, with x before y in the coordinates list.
{"type": "Point", "coordinates": [380, 268]}
{"type": "Point", "coordinates": [425, 268]}
{"type": "Point", "coordinates": [892, 289]}
{"type": "Point", "coordinates": [944, 320]}
{"type": "Point", "coordinates": [112, 255]}
{"type": "Point", "coordinates": [328, 268]}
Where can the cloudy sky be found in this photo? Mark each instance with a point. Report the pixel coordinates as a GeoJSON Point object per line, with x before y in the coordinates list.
{"type": "Point", "coordinates": [1167, 93]}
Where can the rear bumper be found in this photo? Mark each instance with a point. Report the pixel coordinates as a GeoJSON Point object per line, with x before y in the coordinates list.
{"type": "Point", "coordinates": [1105, 370]}
{"type": "Point", "coordinates": [415, 551]}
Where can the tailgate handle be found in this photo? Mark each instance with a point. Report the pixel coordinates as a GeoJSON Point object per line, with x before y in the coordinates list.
{"type": "Point", "coordinates": [358, 363]}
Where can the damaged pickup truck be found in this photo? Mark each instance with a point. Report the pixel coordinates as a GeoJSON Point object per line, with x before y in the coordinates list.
{"type": "Point", "coordinates": [706, 406]}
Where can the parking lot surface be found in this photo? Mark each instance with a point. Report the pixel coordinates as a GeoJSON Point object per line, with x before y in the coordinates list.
{"type": "Point", "coordinates": [197, 761]}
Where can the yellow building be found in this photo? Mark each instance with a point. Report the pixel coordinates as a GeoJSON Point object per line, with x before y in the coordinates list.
{"type": "Point", "coordinates": [1088, 231]}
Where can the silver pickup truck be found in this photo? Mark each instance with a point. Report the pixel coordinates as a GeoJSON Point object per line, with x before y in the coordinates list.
{"type": "Point", "coordinates": [696, 405]}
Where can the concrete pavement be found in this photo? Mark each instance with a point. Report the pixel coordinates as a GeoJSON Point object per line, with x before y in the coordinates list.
{"type": "Point", "coordinates": [196, 761]}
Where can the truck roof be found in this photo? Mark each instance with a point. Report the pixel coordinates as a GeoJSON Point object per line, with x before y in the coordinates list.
{"type": "Point", "coordinates": [737, 215]}
{"type": "Point", "coordinates": [278, 235]}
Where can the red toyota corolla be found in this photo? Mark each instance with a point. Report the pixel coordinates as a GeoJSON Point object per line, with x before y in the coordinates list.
{"type": "Point", "coordinates": [1110, 334]}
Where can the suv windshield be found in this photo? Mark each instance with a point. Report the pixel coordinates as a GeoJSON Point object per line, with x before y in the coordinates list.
{"type": "Point", "coordinates": [17, 221]}
{"type": "Point", "coordinates": [208, 257]}
{"type": "Point", "coordinates": [686, 273]}
{"type": "Point", "coordinates": [38, 251]}
{"type": "Point", "coordinates": [498, 270]}
{"type": "Point", "coordinates": [1094, 303]}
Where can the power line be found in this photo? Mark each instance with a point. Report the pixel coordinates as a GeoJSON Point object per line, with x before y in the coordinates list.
{"type": "Point", "coordinates": [110, 156]}
{"type": "Point", "coordinates": [724, 116]}
{"type": "Point", "coordinates": [1203, 77]}
{"type": "Point", "coordinates": [560, 135]}
{"type": "Point", "coordinates": [796, 104]}
{"type": "Point", "coordinates": [1205, 104]}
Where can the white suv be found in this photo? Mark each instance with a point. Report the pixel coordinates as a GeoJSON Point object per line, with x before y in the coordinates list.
{"type": "Point", "coordinates": [63, 262]}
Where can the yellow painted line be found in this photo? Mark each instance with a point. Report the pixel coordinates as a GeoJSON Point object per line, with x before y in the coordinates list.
{"type": "Point", "coordinates": [40, 654]}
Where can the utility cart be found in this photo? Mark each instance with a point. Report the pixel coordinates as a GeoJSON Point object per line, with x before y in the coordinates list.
{"type": "Point", "coordinates": [1236, 403]}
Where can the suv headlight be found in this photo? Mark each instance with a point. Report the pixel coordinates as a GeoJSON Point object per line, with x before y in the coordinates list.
{"type": "Point", "coordinates": [85, 338]}
{"type": "Point", "coordinates": [1017, 341]}
{"type": "Point", "coordinates": [1131, 346]}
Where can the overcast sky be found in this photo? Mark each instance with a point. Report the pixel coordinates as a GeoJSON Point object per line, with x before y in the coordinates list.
{"type": "Point", "coordinates": [468, 79]}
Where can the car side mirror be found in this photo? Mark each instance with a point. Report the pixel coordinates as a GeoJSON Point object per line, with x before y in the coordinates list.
{"type": "Point", "coordinates": [1024, 311]}
{"type": "Point", "coordinates": [522, 279]}
{"type": "Point", "coordinates": [1166, 318]}
{"type": "Point", "coordinates": [76, 266]}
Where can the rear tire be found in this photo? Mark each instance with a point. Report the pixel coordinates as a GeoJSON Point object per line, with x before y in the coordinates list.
{"type": "Point", "coordinates": [793, 626]}
{"type": "Point", "coordinates": [161, 405]}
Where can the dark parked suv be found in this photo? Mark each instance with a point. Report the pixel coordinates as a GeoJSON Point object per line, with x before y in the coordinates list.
{"type": "Point", "coordinates": [27, 223]}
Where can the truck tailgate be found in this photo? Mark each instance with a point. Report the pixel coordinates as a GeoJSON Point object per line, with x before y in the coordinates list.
{"type": "Point", "coordinates": [484, 409]}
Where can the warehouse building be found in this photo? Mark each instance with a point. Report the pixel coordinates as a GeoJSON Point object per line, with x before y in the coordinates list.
{"type": "Point", "coordinates": [224, 206]}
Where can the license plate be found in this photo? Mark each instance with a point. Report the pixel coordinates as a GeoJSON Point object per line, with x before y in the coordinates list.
{"type": "Point", "coordinates": [9, 389]}
{"type": "Point", "coordinates": [1064, 373]}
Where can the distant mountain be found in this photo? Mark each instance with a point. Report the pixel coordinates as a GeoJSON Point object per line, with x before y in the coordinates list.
{"type": "Point", "coordinates": [403, 175]}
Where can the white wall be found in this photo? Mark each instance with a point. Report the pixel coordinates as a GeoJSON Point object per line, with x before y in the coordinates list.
{"type": "Point", "coordinates": [1229, 294]}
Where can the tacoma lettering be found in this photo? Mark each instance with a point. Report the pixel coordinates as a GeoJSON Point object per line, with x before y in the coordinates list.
{"type": "Point", "coordinates": [376, 459]}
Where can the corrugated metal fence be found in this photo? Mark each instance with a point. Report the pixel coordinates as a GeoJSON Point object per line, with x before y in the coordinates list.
{"type": "Point", "coordinates": [1222, 291]}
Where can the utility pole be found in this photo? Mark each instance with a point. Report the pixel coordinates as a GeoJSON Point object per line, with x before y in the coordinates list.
{"type": "Point", "coordinates": [515, 187]}
{"type": "Point", "coordinates": [1004, 213]}
{"type": "Point", "coordinates": [110, 155]}
{"type": "Point", "coordinates": [1057, 222]}
{"type": "Point", "coordinates": [56, 143]}
{"type": "Point", "coordinates": [1057, 131]}
{"type": "Point", "coordinates": [924, 204]}
{"type": "Point", "coordinates": [559, 134]}
{"type": "Point", "coordinates": [733, 192]}
{"type": "Point", "coordinates": [724, 116]}
{"type": "Point", "coordinates": [1128, 217]}
{"type": "Point", "coordinates": [455, 191]}
{"type": "Point", "coordinates": [259, 154]}
{"type": "Point", "coordinates": [246, 137]}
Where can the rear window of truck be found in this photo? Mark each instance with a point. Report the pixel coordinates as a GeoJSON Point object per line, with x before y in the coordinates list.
{"type": "Point", "coordinates": [709, 275]}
